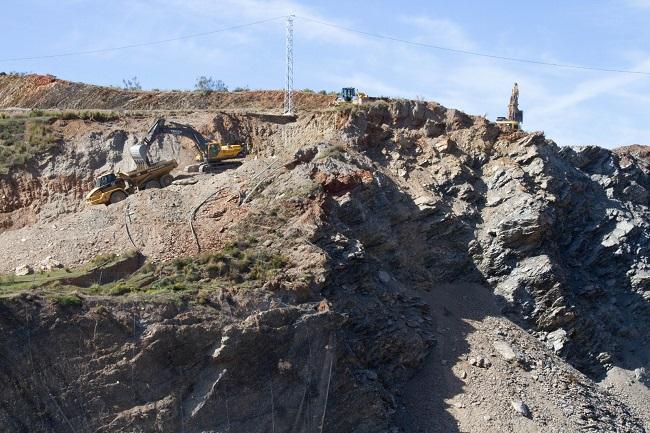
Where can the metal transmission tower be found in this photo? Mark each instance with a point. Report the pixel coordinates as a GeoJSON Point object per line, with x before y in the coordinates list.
{"type": "Point", "coordinates": [288, 89]}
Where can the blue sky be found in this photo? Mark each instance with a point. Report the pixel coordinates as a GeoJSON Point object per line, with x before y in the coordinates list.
{"type": "Point", "coordinates": [573, 107]}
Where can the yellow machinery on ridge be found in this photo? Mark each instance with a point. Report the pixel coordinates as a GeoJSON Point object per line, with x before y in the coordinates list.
{"type": "Point", "coordinates": [515, 115]}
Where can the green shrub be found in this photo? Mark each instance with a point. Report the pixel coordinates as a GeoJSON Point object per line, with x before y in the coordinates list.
{"type": "Point", "coordinates": [202, 297]}
{"type": "Point", "coordinates": [103, 259]}
{"type": "Point", "coordinates": [68, 300]}
{"type": "Point", "coordinates": [120, 288]}
{"type": "Point", "coordinates": [208, 84]}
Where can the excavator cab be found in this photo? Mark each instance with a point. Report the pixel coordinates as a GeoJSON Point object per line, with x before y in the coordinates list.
{"type": "Point", "coordinates": [213, 151]}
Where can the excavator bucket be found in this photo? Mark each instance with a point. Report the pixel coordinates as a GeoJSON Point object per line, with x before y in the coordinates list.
{"type": "Point", "coordinates": [139, 155]}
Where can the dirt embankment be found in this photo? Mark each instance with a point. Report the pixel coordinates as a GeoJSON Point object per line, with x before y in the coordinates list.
{"type": "Point", "coordinates": [442, 275]}
{"type": "Point", "coordinates": [47, 92]}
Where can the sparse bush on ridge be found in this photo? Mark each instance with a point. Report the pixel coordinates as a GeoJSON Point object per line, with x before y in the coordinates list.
{"type": "Point", "coordinates": [208, 85]}
{"type": "Point", "coordinates": [132, 84]}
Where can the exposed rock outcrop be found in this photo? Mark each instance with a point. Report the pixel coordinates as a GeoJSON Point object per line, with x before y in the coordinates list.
{"type": "Point", "coordinates": [376, 208]}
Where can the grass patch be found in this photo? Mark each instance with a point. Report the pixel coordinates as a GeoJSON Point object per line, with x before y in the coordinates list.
{"type": "Point", "coordinates": [240, 262]}
{"type": "Point", "coordinates": [102, 260]}
{"type": "Point", "coordinates": [243, 264]}
{"type": "Point", "coordinates": [94, 116]}
{"type": "Point", "coordinates": [12, 283]}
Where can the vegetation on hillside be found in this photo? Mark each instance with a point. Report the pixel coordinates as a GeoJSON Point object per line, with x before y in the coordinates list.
{"type": "Point", "coordinates": [241, 264]}
{"type": "Point", "coordinates": [23, 138]}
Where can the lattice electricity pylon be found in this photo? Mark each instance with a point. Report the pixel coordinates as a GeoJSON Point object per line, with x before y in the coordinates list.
{"type": "Point", "coordinates": [288, 89]}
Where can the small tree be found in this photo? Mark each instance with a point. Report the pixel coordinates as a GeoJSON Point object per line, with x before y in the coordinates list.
{"type": "Point", "coordinates": [131, 84]}
{"type": "Point", "coordinates": [208, 84]}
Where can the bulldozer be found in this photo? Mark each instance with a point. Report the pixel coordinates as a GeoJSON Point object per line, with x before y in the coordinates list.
{"type": "Point", "coordinates": [350, 94]}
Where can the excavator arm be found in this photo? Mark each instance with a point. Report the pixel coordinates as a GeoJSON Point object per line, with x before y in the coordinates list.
{"type": "Point", "coordinates": [210, 151]}
{"type": "Point", "coordinates": [162, 127]}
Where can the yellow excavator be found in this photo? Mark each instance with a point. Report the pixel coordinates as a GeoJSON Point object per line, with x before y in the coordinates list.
{"type": "Point", "coordinates": [515, 115]}
{"type": "Point", "coordinates": [111, 187]}
{"type": "Point", "coordinates": [210, 153]}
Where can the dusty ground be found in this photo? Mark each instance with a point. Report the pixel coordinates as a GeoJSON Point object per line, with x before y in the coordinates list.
{"type": "Point", "coordinates": [449, 394]}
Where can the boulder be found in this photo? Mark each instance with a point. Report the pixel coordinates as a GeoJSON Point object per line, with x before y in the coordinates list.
{"type": "Point", "coordinates": [24, 270]}
{"type": "Point", "coordinates": [49, 264]}
{"type": "Point", "coordinates": [557, 339]}
{"type": "Point", "coordinates": [480, 362]}
{"type": "Point", "coordinates": [507, 352]}
{"type": "Point", "coordinates": [433, 129]}
{"type": "Point", "coordinates": [636, 193]}
{"type": "Point", "coordinates": [521, 408]}
{"type": "Point", "coordinates": [383, 277]}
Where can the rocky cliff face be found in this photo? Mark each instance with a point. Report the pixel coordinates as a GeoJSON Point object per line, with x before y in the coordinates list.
{"type": "Point", "coordinates": [392, 217]}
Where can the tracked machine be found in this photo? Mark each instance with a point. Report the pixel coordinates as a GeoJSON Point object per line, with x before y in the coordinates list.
{"type": "Point", "coordinates": [211, 155]}
{"type": "Point", "coordinates": [515, 115]}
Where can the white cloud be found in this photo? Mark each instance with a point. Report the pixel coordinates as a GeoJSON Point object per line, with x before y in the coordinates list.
{"type": "Point", "coordinates": [592, 88]}
{"type": "Point", "coordinates": [441, 32]}
{"type": "Point", "coordinates": [241, 11]}
{"type": "Point", "coordinates": [639, 3]}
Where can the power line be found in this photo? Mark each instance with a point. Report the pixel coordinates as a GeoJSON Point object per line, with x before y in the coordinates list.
{"type": "Point", "coordinates": [142, 44]}
{"type": "Point", "coordinates": [473, 53]}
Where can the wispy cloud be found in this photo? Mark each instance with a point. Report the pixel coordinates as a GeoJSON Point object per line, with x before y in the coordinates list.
{"type": "Point", "coordinates": [251, 10]}
{"type": "Point", "coordinates": [591, 88]}
{"type": "Point", "coordinates": [436, 31]}
{"type": "Point", "coordinates": [639, 3]}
